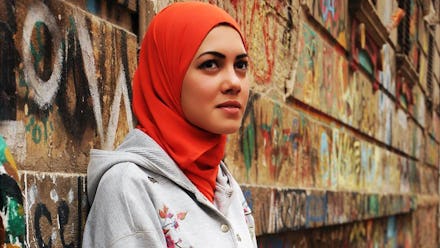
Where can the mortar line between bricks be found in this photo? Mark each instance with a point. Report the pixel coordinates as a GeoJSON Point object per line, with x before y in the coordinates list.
{"type": "Point", "coordinates": [49, 173]}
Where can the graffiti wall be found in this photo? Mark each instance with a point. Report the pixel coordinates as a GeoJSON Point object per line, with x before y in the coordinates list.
{"type": "Point", "coordinates": [348, 139]}
{"type": "Point", "coordinates": [66, 88]}
{"type": "Point", "coordinates": [393, 231]}
{"type": "Point", "coordinates": [60, 55]}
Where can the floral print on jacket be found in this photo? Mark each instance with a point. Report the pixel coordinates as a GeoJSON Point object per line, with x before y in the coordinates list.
{"type": "Point", "coordinates": [170, 225]}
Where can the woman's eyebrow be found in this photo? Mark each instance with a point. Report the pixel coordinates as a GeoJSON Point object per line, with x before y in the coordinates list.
{"type": "Point", "coordinates": [241, 56]}
{"type": "Point", "coordinates": [222, 56]}
{"type": "Point", "coordinates": [213, 53]}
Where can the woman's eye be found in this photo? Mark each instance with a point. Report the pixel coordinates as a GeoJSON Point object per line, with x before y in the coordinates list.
{"type": "Point", "coordinates": [241, 65]}
{"type": "Point", "coordinates": [209, 64]}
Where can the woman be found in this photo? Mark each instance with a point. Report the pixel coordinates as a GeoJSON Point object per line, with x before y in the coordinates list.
{"type": "Point", "coordinates": [165, 185]}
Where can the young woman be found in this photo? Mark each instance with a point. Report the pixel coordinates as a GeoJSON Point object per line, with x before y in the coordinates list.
{"type": "Point", "coordinates": [165, 185]}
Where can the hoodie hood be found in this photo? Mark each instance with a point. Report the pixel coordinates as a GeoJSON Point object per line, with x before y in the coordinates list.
{"type": "Point", "coordinates": [137, 148]}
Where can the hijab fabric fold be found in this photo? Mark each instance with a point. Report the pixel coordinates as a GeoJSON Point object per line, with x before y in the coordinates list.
{"type": "Point", "coordinates": [170, 43]}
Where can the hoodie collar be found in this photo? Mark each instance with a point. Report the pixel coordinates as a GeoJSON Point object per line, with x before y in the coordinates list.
{"type": "Point", "coordinates": [140, 149]}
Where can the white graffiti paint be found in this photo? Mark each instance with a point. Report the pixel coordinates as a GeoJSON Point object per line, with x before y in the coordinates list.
{"type": "Point", "coordinates": [54, 195]}
{"type": "Point", "coordinates": [272, 215]}
{"type": "Point", "coordinates": [121, 88]}
{"type": "Point", "coordinates": [70, 196]}
{"type": "Point", "coordinates": [43, 92]}
{"type": "Point", "coordinates": [30, 194]}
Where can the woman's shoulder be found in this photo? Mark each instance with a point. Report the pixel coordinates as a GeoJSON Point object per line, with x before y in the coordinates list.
{"type": "Point", "coordinates": [130, 176]}
{"type": "Point", "coordinates": [124, 174]}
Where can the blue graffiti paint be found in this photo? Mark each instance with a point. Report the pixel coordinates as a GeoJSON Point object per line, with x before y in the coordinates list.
{"type": "Point", "coordinates": [248, 196]}
{"type": "Point", "coordinates": [328, 7]}
{"type": "Point", "coordinates": [390, 239]}
{"type": "Point", "coordinates": [316, 209]}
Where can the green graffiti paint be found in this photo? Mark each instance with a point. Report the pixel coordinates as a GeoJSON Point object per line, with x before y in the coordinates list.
{"type": "Point", "coordinates": [248, 146]}
{"type": "Point", "coordinates": [16, 223]}
{"type": "Point", "coordinates": [2, 150]}
{"type": "Point", "coordinates": [12, 228]}
{"type": "Point", "coordinates": [72, 26]}
{"type": "Point", "coordinates": [39, 51]}
{"type": "Point", "coordinates": [37, 132]}
{"type": "Point", "coordinates": [373, 205]}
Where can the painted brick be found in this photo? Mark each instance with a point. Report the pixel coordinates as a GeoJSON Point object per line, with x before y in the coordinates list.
{"type": "Point", "coordinates": [74, 67]}
{"type": "Point", "coordinates": [56, 207]}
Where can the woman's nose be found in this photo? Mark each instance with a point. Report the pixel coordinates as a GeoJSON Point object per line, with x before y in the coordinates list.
{"type": "Point", "coordinates": [231, 82]}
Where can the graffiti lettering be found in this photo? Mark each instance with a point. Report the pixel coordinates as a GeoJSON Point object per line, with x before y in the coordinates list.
{"type": "Point", "coordinates": [63, 218]}
{"type": "Point", "coordinates": [75, 117]}
{"type": "Point", "coordinates": [120, 91]}
{"type": "Point", "coordinates": [328, 7]}
{"type": "Point", "coordinates": [56, 210]}
{"type": "Point", "coordinates": [290, 209]}
{"type": "Point", "coordinates": [51, 72]}
{"type": "Point", "coordinates": [42, 211]}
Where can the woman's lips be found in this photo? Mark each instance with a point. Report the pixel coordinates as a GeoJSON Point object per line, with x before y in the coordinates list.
{"type": "Point", "coordinates": [230, 104]}
{"type": "Point", "coordinates": [230, 107]}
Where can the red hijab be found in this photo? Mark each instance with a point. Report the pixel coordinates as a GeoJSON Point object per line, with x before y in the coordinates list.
{"type": "Point", "coordinates": [172, 39]}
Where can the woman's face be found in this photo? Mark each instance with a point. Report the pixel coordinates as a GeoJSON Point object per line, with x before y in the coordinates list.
{"type": "Point", "coordinates": [215, 88]}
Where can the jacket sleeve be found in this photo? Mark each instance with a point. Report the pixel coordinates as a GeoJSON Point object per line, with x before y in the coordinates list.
{"type": "Point", "coordinates": [122, 213]}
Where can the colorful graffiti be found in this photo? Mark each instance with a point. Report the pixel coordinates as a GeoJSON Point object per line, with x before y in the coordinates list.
{"type": "Point", "coordinates": [394, 231]}
{"type": "Point", "coordinates": [325, 82]}
{"type": "Point", "coordinates": [332, 15]}
{"type": "Point", "coordinates": [60, 75]}
{"type": "Point", "coordinates": [248, 136]}
{"type": "Point", "coordinates": [270, 24]}
{"type": "Point", "coordinates": [275, 141]}
{"type": "Point", "coordinates": [299, 151]}
{"type": "Point", "coordinates": [288, 210]}
{"type": "Point", "coordinates": [365, 51]}
{"type": "Point", "coordinates": [322, 76]}
{"type": "Point", "coordinates": [316, 209]}
{"type": "Point", "coordinates": [347, 160]}
{"type": "Point", "coordinates": [12, 220]}
{"type": "Point", "coordinates": [305, 82]}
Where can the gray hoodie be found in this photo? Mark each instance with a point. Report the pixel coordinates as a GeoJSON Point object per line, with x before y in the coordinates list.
{"type": "Point", "coordinates": [140, 198]}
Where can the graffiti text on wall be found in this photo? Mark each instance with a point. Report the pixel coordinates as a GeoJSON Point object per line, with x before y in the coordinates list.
{"type": "Point", "coordinates": [61, 73]}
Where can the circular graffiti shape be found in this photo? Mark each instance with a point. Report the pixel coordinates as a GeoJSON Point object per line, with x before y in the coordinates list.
{"type": "Point", "coordinates": [44, 91]}
{"type": "Point", "coordinates": [41, 48]}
